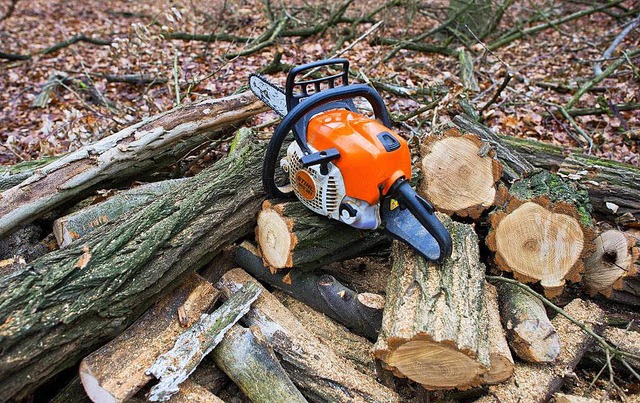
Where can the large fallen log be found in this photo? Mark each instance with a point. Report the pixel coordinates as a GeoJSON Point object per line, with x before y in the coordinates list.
{"type": "Point", "coordinates": [67, 303]}
{"type": "Point", "coordinates": [360, 312]}
{"type": "Point", "coordinates": [435, 325]}
{"type": "Point", "coordinates": [319, 373]}
{"type": "Point", "coordinates": [136, 149]}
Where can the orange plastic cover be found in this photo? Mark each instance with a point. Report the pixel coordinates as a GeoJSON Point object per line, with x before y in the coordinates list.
{"type": "Point", "coordinates": [365, 163]}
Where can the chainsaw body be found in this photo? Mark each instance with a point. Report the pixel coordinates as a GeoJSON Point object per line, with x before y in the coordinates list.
{"type": "Point", "coordinates": [343, 164]}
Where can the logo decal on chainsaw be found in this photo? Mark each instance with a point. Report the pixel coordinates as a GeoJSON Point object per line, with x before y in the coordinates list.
{"type": "Point", "coordinates": [305, 185]}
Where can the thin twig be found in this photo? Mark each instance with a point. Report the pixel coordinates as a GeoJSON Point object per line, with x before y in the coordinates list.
{"type": "Point", "coordinates": [597, 68]}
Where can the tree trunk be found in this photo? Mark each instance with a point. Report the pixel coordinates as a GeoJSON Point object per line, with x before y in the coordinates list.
{"type": "Point", "coordinates": [66, 303]}
{"type": "Point", "coordinates": [290, 235]}
{"type": "Point", "coordinates": [319, 373]}
{"type": "Point", "coordinates": [246, 357]}
{"type": "Point", "coordinates": [130, 151]}
{"type": "Point", "coordinates": [500, 358]}
{"type": "Point", "coordinates": [459, 174]}
{"type": "Point", "coordinates": [529, 331]}
{"type": "Point", "coordinates": [538, 383]}
{"type": "Point", "coordinates": [434, 328]}
{"type": "Point", "coordinates": [361, 313]}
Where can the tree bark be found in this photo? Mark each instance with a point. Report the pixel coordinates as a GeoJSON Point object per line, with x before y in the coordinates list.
{"type": "Point", "coordinates": [434, 328]}
{"type": "Point", "coordinates": [66, 303]}
{"type": "Point", "coordinates": [174, 366]}
{"type": "Point", "coordinates": [319, 373]}
{"type": "Point", "coordinates": [537, 382]}
{"type": "Point", "coordinates": [246, 357]}
{"type": "Point", "coordinates": [290, 235]}
{"type": "Point", "coordinates": [79, 223]}
{"type": "Point", "coordinates": [130, 151]}
{"type": "Point", "coordinates": [362, 313]}
{"type": "Point", "coordinates": [500, 357]}
{"type": "Point", "coordinates": [363, 273]}
{"type": "Point", "coordinates": [529, 331]}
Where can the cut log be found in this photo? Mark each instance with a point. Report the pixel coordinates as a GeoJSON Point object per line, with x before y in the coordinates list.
{"type": "Point", "coordinates": [543, 233]}
{"type": "Point", "coordinates": [612, 270]}
{"type": "Point", "coordinates": [136, 149]}
{"type": "Point", "coordinates": [246, 357]}
{"type": "Point", "coordinates": [539, 382]}
{"type": "Point", "coordinates": [613, 187]}
{"type": "Point", "coordinates": [190, 392]}
{"type": "Point", "coordinates": [459, 173]}
{"type": "Point", "coordinates": [361, 313]}
{"type": "Point", "coordinates": [116, 371]}
{"type": "Point", "coordinates": [356, 349]}
{"type": "Point", "coordinates": [362, 273]}
{"type": "Point", "coordinates": [13, 175]}
{"type": "Point", "coordinates": [319, 373]}
{"type": "Point", "coordinates": [290, 235]}
{"type": "Point", "coordinates": [79, 223]}
{"type": "Point", "coordinates": [434, 327]}
{"type": "Point", "coordinates": [529, 331]}
{"type": "Point", "coordinates": [67, 303]}
{"type": "Point", "coordinates": [174, 367]}
{"type": "Point", "coordinates": [500, 357]}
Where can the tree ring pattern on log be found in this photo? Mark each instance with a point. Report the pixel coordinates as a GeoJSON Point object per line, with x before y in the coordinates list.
{"type": "Point", "coordinates": [274, 230]}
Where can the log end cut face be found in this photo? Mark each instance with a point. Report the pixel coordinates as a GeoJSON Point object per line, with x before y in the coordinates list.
{"type": "Point", "coordinates": [612, 259]}
{"type": "Point", "coordinates": [275, 239]}
{"type": "Point", "coordinates": [538, 244]}
{"type": "Point", "coordinates": [435, 365]}
{"type": "Point", "coordinates": [457, 177]}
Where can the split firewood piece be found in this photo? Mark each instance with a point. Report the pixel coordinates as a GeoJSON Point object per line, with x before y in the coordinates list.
{"type": "Point", "coordinates": [362, 313]}
{"type": "Point", "coordinates": [529, 331]}
{"type": "Point", "coordinates": [116, 371]}
{"type": "Point", "coordinates": [543, 233]}
{"type": "Point", "coordinates": [317, 370]}
{"type": "Point", "coordinates": [291, 235]}
{"type": "Point", "coordinates": [174, 366]}
{"type": "Point", "coordinates": [612, 270]}
{"type": "Point", "coordinates": [246, 357]}
{"type": "Point", "coordinates": [500, 357]}
{"type": "Point", "coordinates": [534, 382]}
{"type": "Point", "coordinates": [81, 222]}
{"type": "Point", "coordinates": [434, 326]}
{"type": "Point", "coordinates": [460, 173]}
{"type": "Point", "coordinates": [356, 349]}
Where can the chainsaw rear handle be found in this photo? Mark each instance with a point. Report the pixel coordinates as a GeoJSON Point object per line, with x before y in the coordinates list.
{"type": "Point", "coordinates": [315, 101]}
{"type": "Point", "coordinates": [424, 212]}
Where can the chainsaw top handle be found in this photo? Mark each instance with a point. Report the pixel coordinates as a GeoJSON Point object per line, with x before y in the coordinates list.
{"type": "Point", "coordinates": [316, 103]}
{"type": "Point", "coordinates": [296, 91]}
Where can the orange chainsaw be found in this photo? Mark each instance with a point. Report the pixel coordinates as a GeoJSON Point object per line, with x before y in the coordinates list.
{"type": "Point", "coordinates": [341, 163]}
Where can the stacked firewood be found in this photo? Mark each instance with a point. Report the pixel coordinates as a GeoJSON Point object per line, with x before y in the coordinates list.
{"type": "Point", "coordinates": [185, 289]}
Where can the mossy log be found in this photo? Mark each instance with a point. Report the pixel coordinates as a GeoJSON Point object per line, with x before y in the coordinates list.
{"type": "Point", "coordinates": [290, 235]}
{"type": "Point", "coordinates": [613, 187]}
{"type": "Point", "coordinates": [543, 233]}
{"type": "Point", "coordinates": [116, 371]}
{"type": "Point", "coordinates": [529, 331]}
{"type": "Point", "coordinates": [539, 382]}
{"type": "Point", "coordinates": [500, 356]}
{"type": "Point", "coordinates": [612, 270]}
{"type": "Point", "coordinates": [174, 366]}
{"type": "Point", "coordinates": [356, 349]}
{"type": "Point", "coordinates": [77, 224]}
{"type": "Point", "coordinates": [246, 357]}
{"type": "Point", "coordinates": [133, 150]}
{"type": "Point", "coordinates": [459, 173]}
{"type": "Point", "coordinates": [435, 324]}
{"type": "Point", "coordinates": [360, 312]}
{"type": "Point", "coordinates": [319, 373]}
{"type": "Point", "coordinates": [67, 303]}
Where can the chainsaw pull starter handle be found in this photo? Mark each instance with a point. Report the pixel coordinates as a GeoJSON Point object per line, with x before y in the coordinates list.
{"type": "Point", "coordinates": [313, 103]}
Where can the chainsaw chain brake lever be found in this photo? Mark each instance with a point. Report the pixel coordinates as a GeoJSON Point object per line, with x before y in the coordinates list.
{"type": "Point", "coordinates": [428, 236]}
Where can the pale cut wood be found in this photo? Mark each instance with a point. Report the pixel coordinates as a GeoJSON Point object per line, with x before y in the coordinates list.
{"type": "Point", "coordinates": [460, 173]}
{"type": "Point", "coordinates": [435, 324]}
{"type": "Point", "coordinates": [319, 373]}
{"type": "Point", "coordinates": [116, 371]}
{"type": "Point", "coordinates": [174, 366]}
{"type": "Point", "coordinates": [539, 382]}
{"type": "Point", "coordinates": [500, 357]}
{"type": "Point", "coordinates": [246, 357]}
{"type": "Point", "coordinates": [190, 392]}
{"type": "Point", "coordinates": [611, 270]}
{"type": "Point", "coordinates": [529, 331]}
{"type": "Point", "coordinates": [132, 150]}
